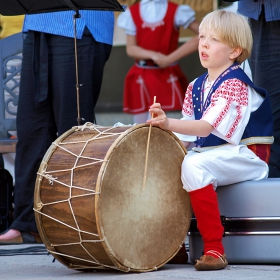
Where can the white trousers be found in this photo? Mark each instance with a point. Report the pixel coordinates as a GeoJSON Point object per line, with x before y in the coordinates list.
{"type": "Point", "coordinates": [225, 165]}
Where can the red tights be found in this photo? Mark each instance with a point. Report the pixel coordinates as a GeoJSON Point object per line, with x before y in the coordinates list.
{"type": "Point", "coordinates": [205, 206]}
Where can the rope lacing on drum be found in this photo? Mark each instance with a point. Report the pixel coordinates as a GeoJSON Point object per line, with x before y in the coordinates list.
{"type": "Point", "coordinates": [50, 178]}
{"type": "Point", "coordinates": [119, 124]}
{"type": "Point", "coordinates": [53, 177]}
{"type": "Point", "coordinates": [96, 262]}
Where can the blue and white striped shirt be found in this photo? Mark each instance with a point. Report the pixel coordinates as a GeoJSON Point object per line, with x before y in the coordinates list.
{"type": "Point", "coordinates": [252, 9]}
{"type": "Point", "coordinates": [99, 23]}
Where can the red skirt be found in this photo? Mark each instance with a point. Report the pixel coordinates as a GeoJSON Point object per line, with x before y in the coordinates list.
{"type": "Point", "coordinates": [143, 83]}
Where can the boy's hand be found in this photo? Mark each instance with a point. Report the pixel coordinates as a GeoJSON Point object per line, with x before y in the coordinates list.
{"type": "Point", "coordinates": [159, 118]}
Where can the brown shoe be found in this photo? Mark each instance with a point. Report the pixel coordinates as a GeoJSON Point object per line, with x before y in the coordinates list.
{"type": "Point", "coordinates": [211, 263]}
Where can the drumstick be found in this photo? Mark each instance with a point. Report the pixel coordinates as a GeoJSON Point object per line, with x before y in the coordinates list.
{"type": "Point", "coordinates": [147, 152]}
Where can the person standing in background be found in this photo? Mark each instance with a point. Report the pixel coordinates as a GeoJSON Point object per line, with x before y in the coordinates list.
{"type": "Point", "coordinates": [48, 101]}
{"type": "Point", "coordinates": [264, 19]}
{"type": "Point", "coordinates": [152, 30]}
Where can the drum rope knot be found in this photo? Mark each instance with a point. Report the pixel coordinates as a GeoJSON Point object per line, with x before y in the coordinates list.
{"type": "Point", "coordinates": [50, 178]}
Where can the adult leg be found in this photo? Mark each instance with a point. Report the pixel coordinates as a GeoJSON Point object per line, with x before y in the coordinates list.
{"type": "Point", "coordinates": [92, 57]}
{"type": "Point", "coordinates": [36, 131]}
{"type": "Point", "coordinates": [1, 161]}
{"type": "Point", "coordinates": [265, 65]}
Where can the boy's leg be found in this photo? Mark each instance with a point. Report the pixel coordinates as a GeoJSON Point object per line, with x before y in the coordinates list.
{"type": "Point", "coordinates": [205, 206]}
{"type": "Point", "coordinates": [201, 174]}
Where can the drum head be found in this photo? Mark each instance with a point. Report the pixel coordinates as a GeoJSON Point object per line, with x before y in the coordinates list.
{"type": "Point", "coordinates": [142, 223]}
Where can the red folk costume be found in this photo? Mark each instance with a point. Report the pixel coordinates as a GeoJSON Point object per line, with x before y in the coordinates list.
{"type": "Point", "coordinates": [145, 79]}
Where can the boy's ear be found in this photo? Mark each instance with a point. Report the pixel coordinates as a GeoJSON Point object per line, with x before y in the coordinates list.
{"type": "Point", "coordinates": [235, 53]}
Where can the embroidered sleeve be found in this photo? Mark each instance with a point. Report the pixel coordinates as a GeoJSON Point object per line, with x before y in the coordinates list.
{"type": "Point", "coordinates": [188, 114]}
{"type": "Point", "coordinates": [228, 111]}
{"type": "Point", "coordinates": [187, 109]}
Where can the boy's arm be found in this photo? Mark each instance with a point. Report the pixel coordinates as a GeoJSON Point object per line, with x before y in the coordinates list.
{"type": "Point", "coordinates": [199, 128]}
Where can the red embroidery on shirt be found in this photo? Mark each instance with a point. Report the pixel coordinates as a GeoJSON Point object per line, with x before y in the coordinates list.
{"type": "Point", "coordinates": [188, 104]}
{"type": "Point", "coordinates": [233, 91]}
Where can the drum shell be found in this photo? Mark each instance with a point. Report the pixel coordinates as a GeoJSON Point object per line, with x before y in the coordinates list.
{"type": "Point", "coordinates": [93, 196]}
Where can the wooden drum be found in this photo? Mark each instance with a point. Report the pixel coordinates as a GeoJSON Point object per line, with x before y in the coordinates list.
{"type": "Point", "coordinates": [93, 210]}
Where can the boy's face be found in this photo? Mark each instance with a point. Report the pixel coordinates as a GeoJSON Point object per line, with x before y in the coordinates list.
{"type": "Point", "coordinates": [213, 54]}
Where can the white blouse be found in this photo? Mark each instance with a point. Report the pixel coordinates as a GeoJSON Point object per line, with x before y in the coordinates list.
{"type": "Point", "coordinates": [153, 11]}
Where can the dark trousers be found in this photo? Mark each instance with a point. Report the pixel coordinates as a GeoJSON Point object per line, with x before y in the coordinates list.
{"type": "Point", "coordinates": [1, 161]}
{"type": "Point", "coordinates": [48, 105]}
{"type": "Point", "coordinates": [265, 66]}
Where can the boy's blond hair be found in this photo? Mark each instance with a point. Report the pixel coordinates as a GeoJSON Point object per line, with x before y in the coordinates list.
{"type": "Point", "coordinates": [231, 29]}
